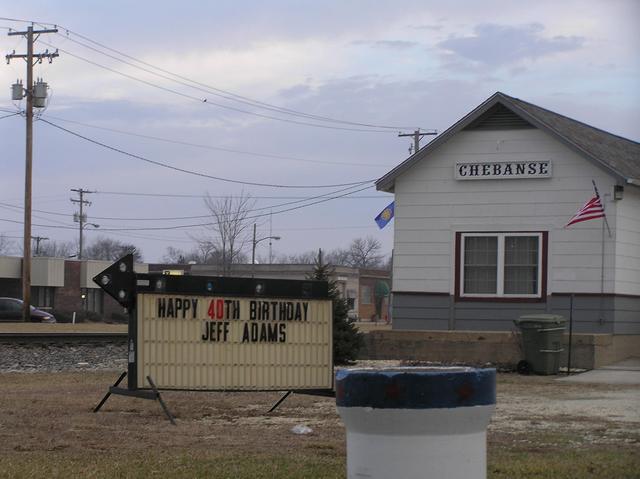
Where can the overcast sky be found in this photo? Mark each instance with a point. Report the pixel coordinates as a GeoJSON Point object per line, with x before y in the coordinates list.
{"type": "Point", "coordinates": [391, 64]}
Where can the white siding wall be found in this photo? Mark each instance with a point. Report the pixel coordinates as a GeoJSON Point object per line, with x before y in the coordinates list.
{"type": "Point", "coordinates": [627, 279]}
{"type": "Point", "coordinates": [431, 206]}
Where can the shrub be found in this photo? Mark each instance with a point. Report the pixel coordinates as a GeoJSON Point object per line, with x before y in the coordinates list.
{"type": "Point", "coordinates": [347, 340]}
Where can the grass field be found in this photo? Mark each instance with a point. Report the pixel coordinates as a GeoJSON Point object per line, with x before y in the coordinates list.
{"type": "Point", "coordinates": [541, 429]}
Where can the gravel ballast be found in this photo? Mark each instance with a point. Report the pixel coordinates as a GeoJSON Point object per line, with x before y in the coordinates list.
{"type": "Point", "coordinates": [57, 358]}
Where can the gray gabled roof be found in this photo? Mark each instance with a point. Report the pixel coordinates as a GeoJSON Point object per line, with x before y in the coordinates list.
{"type": "Point", "coordinates": [618, 156]}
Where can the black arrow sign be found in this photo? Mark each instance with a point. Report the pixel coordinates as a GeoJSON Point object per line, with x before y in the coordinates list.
{"type": "Point", "coordinates": [119, 281]}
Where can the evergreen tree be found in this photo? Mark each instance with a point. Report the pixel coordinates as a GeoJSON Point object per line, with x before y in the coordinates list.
{"type": "Point", "coordinates": [347, 340]}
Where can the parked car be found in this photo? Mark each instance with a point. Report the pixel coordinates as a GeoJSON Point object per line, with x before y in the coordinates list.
{"type": "Point", "coordinates": [11, 310]}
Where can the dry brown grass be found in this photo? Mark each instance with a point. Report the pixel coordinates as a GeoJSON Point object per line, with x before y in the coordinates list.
{"type": "Point", "coordinates": [47, 428]}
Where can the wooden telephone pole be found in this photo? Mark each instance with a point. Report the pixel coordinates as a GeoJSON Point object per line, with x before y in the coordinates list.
{"type": "Point", "coordinates": [30, 58]}
{"type": "Point", "coordinates": [82, 217]}
{"type": "Point", "coordinates": [417, 135]}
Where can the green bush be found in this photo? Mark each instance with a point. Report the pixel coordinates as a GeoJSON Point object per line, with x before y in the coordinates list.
{"type": "Point", "coordinates": [347, 340]}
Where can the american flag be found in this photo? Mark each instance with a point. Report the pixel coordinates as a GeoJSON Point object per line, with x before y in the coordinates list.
{"type": "Point", "coordinates": [591, 210]}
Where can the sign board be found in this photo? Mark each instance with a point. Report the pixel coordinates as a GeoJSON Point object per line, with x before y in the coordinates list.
{"type": "Point", "coordinates": [503, 170]}
{"type": "Point", "coordinates": [217, 342]}
{"type": "Point", "coordinates": [216, 333]}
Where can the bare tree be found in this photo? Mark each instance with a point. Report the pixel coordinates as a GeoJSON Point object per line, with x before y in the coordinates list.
{"type": "Point", "coordinates": [229, 230]}
{"type": "Point", "coordinates": [362, 253]}
{"type": "Point", "coordinates": [57, 249]}
{"type": "Point", "coordinates": [111, 250]}
{"type": "Point", "coordinates": [365, 253]}
{"type": "Point", "coordinates": [203, 253]}
{"type": "Point", "coordinates": [175, 256]}
{"type": "Point", "coordinates": [6, 245]}
{"type": "Point", "coordinates": [308, 257]}
{"type": "Point", "coordinates": [338, 257]}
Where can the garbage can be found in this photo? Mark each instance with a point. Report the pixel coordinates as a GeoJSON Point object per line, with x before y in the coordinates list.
{"type": "Point", "coordinates": [542, 342]}
{"type": "Point", "coordinates": [416, 423]}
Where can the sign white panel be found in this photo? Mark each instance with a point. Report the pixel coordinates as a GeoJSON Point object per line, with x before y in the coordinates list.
{"type": "Point", "coordinates": [503, 170]}
{"type": "Point", "coordinates": [233, 343]}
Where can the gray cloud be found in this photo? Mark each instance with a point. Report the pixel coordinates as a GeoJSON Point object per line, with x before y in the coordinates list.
{"type": "Point", "coordinates": [391, 44]}
{"type": "Point", "coordinates": [496, 45]}
{"type": "Point", "coordinates": [294, 91]}
{"type": "Point", "coordinates": [426, 27]}
{"type": "Point", "coordinates": [396, 44]}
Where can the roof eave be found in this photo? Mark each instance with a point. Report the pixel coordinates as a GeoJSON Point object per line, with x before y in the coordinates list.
{"type": "Point", "coordinates": [563, 139]}
{"type": "Point", "coordinates": [387, 182]}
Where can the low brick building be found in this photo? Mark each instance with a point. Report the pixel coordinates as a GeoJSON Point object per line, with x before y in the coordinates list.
{"type": "Point", "coordinates": [61, 285]}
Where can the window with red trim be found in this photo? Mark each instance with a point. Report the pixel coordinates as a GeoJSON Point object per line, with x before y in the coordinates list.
{"type": "Point", "coordinates": [501, 265]}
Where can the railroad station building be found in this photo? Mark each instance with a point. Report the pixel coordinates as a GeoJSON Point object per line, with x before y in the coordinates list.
{"type": "Point", "coordinates": [480, 215]}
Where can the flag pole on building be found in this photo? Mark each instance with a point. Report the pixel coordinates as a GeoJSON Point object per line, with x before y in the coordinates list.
{"type": "Point", "coordinates": [604, 223]}
{"type": "Point", "coordinates": [591, 210]}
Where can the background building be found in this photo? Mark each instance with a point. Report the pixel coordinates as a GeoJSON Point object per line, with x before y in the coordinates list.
{"type": "Point", "coordinates": [479, 224]}
{"type": "Point", "coordinates": [62, 285]}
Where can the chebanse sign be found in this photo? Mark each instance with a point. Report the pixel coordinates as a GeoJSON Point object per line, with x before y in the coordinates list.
{"type": "Point", "coordinates": [234, 343]}
{"type": "Point", "coordinates": [503, 170]}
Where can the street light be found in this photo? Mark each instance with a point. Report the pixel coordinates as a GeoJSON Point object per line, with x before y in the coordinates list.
{"type": "Point", "coordinates": [82, 227]}
{"type": "Point", "coordinates": [253, 251]}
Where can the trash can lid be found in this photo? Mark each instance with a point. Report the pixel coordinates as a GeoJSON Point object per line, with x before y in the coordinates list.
{"type": "Point", "coordinates": [415, 388]}
{"type": "Point", "coordinates": [541, 318]}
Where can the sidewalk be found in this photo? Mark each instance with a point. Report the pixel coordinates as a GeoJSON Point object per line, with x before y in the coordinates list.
{"type": "Point", "coordinates": [624, 372]}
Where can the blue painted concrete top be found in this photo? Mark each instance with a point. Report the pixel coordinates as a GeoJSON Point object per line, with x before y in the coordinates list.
{"type": "Point", "coordinates": [415, 388]}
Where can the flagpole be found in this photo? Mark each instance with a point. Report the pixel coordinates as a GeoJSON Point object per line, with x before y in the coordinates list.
{"type": "Point", "coordinates": [602, 203]}
{"type": "Point", "coordinates": [601, 318]}
{"type": "Point", "coordinates": [604, 223]}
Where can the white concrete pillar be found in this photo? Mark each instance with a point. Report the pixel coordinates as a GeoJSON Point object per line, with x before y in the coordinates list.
{"type": "Point", "coordinates": [416, 423]}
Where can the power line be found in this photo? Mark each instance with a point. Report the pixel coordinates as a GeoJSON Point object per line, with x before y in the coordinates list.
{"type": "Point", "coordinates": [151, 238]}
{"type": "Point", "coordinates": [7, 116]}
{"type": "Point", "coordinates": [178, 195]}
{"type": "Point", "coordinates": [41, 226]}
{"type": "Point", "coordinates": [199, 225]}
{"type": "Point", "coordinates": [216, 148]}
{"type": "Point", "coordinates": [206, 100]}
{"type": "Point", "coordinates": [305, 199]}
{"type": "Point", "coordinates": [195, 173]}
{"type": "Point", "coordinates": [23, 21]}
{"type": "Point", "coordinates": [262, 215]}
{"type": "Point", "coordinates": [213, 90]}
{"type": "Point", "coordinates": [12, 208]}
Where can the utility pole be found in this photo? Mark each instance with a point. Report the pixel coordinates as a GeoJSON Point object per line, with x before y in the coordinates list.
{"type": "Point", "coordinates": [417, 135]}
{"type": "Point", "coordinates": [30, 57]}
{"type": "Point", "coordinates": [254, 243]}
{"type": "Point", "coordinates": [253, 252]}
{"type": "Point", "coordinates": [37, 240]}
{"type": "Point", "coordinates": [82, 217]}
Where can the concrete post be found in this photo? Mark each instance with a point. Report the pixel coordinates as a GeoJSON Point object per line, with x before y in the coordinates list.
{"type": "Point", "coordinates": [410, 423]}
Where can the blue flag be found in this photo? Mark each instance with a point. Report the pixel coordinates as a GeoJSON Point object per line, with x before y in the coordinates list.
{"type": "Point", "coordinates": [385, 215]}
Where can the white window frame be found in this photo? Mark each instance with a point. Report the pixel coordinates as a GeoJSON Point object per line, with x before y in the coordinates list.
{"type": "Point", "coordinates": [367, 298]}
{"type": "Point", "coordinates": [500, 266]}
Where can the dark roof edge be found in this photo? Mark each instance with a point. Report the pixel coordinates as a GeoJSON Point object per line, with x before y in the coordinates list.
{"type": "Point", "coordinates": [570, 119]}
{"type": "Point", "coordinates": [386, 182]}
{"type": "Point", "coordinates": [563, 139]}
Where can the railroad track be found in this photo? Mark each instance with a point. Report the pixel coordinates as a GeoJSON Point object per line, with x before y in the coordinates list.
{"type": "Point", "coordinates": [61, 338]}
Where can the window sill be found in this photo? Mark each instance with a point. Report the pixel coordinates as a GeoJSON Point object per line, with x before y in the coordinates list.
{"type": "Point", "coordinates": [500, 299]}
